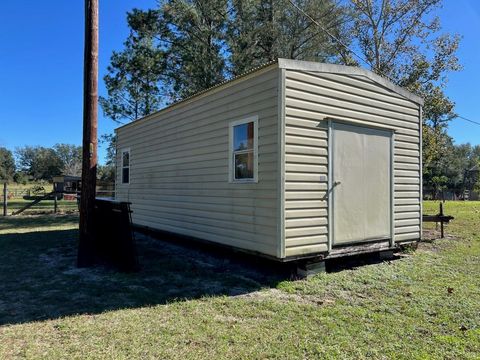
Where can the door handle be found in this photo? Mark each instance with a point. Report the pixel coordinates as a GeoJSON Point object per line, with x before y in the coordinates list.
{"type": "Point", "coordinates": [336, 183]}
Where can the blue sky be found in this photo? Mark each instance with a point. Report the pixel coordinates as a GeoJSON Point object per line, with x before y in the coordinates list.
{"type": "Point", "coordinates": [41, 59]}
{"type": "Point", "coordinates": [41, 68]}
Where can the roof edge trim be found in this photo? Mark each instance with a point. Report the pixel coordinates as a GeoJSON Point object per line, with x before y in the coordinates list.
{"type": "Point", "coordinates": [211, 90]}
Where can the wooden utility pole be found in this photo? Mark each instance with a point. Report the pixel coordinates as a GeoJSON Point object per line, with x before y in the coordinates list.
{"type": "Point", "coordinates": [90, 118]}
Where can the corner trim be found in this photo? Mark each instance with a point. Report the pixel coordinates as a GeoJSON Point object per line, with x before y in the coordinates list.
{"type": "Point", "coordinates": [392, 189]}
{"type": "Point", "coordinates": [281, 165]}
{"type": "Point", "coordinates": [330, 185]}
{"type": "Point", "coordinates": [421, 170]}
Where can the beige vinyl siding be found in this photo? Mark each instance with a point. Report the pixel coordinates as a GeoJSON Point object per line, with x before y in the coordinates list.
{"type": "Point", "coordinates": [306, 160]}
{"type": "Point", "coordinates": [310, 99]}
{"type": "Point", "coordinates": [179, 164]}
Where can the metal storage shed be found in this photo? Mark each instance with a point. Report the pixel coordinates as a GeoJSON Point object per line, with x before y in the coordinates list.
{"type": "Point", "coordinates": [294, 159]}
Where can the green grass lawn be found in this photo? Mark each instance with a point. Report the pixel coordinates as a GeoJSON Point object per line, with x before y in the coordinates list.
{"type": "Point", "coordinates": [188, 303]}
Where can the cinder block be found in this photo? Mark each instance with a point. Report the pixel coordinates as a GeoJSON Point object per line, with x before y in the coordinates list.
{"type": "Point", "coordinates": [306, 270]}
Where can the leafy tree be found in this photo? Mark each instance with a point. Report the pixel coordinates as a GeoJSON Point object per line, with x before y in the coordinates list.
{"type": "Point", "coordinates": [71, 158]}
{"type": "Point", "coordinates": [398, 40]}
{"type": "Point", "coordinates": [475, 171]}
{"type": "Point", "coordinates": [401, 40]}
{"type": "Point", "coordinates": [26, 158]}
{"type": "Point", "coordinates": [260, 31]}
{"type": "Point", "coordinates": [7, 164]}
{"type": "Point", "coordinates": [463, 166]}
{"type": "Point", "coordinates": [200, 43]}
{"type": "Point", "coordinates": [110, 140]}
{"type": "Point", "coordinates": [437, 149]}
{"type": "Point", "coordinates": [106, 173]}
{"type": "Point", "coordinates": [133, 80]}
{"type": "Point", "coordinates": [455, 170]}
{"type": "Point", "coordinates": [39, 162]}
{"type": "Point", "coordinates": [20, 177]}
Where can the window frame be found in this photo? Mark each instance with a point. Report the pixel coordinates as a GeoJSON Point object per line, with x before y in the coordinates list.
{"type": "Point", "coordinates": [123, 151]}
{"type": "Point", "coordinates": [231, 152]}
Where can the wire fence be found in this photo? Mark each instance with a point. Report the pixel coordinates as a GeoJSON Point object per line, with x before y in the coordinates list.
{"type": "Point", "coordinates": [44, 201]}
{"type": "Point", "coordinates": [450, 194]}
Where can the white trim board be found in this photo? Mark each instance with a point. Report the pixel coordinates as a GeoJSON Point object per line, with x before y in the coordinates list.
{"type": "Point", "coordinates": [231, 125]}
{"type": "Point", "coordinates": [281, 164]}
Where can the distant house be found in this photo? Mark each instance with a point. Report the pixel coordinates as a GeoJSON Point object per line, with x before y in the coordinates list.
{"type": "Point", "coordinates": [294, 159]}
{"type": "Point", "coordinates": [67, 184]}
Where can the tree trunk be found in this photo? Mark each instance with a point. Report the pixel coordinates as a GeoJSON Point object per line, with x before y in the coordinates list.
{"type": "Point", "coordinates": [89, 151]}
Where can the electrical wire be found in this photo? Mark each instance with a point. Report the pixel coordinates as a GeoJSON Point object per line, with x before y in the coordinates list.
{"type": "Point", "coordinates": [353, 52]}
{"type": "Point", "coordinates": [469, 120]}
{"type": "Point", "coordinates": [345, 46]}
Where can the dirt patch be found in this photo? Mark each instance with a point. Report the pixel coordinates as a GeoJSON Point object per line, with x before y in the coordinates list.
{"type": "Point", "coordinates": [430, 235]}
{"type": "Point", "coordinates": [432, 242]}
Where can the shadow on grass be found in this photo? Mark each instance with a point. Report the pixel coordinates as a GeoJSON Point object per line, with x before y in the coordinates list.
{"type": "Point", "coordinates": [39, 279]}
{"type": "Point", "coordinates": [35, 221]}
{"type": "Point", "coordinates": [355, 261]}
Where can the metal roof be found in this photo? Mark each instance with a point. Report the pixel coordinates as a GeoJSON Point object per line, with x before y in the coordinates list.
{"type": "Point", "coordinates": [297, 65]}
{"type": "Point", "coordinates": [197, 94]}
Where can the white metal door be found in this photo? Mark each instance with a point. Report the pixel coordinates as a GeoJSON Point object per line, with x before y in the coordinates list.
{"type": "Point", "coordinates": [361, 183]}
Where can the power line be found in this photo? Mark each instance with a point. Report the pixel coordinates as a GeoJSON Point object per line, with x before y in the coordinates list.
{"type": "Point", "coordinates": [119, 122]}
{"type": "Point", "coordinates": [466, 119]}
{"type": "Point", "coordinates": [337, 39]}
{"type": "Point", "coordinates": [353, 52]}
{"type": "Point", "coordinates": [328, 32]}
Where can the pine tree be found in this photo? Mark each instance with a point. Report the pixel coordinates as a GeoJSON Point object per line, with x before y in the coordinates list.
{"type": "Point", "coordinates": [260, 31]}
{"type": "Point", "coordinates": [196, 33]}
{"type": "Point", "coordinates": [191, 35]}
{"type": "Point", "coordinates": [134, 80]}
